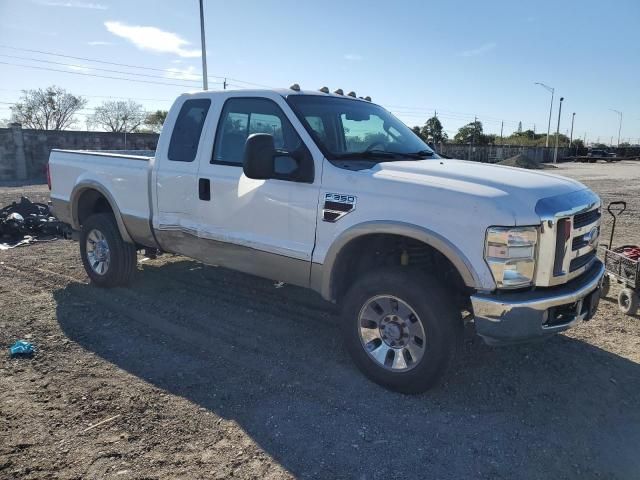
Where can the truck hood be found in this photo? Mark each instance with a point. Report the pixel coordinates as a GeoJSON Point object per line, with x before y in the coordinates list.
{"type": "Point", "coordinates": [516, 190]}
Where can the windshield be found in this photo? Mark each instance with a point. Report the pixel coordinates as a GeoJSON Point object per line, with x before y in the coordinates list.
{"type": "Point", "coordinates": [345, 128]}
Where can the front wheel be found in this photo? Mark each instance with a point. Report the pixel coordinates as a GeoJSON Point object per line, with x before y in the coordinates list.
{"type": "Point", "coordinates": [401, 329]}
{"type": "Point", "coordinates": [107, 258]}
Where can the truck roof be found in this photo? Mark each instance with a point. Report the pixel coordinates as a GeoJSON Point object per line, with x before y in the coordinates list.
{"type": "Point", "coordinates": [284, 92]}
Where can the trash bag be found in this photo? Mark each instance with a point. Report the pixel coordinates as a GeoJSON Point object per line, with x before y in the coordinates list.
{"type": "Point", "coordinates": [24, 219]}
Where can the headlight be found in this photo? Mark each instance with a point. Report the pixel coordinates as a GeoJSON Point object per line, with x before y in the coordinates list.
{"type": "Point", "coordinates": [510, 253]}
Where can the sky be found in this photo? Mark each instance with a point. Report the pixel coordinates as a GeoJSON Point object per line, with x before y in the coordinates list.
{"type": "Point", "coordinates": [460, 58]}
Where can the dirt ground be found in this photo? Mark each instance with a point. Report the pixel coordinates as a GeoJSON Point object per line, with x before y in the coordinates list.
{"type": "Point", "coordinates": [199, 372]}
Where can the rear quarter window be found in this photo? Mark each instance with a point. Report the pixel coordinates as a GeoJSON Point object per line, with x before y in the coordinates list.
{"type": "Point", "coordinates": [187, 130]}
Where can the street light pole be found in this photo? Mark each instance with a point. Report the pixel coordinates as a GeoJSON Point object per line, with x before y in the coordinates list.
{"type": "Point", "coordinates": [552, 90]}
{"type": "Point", "coordinates": [205, 84]}
{"type": "Point", "coordinates": [555, 152]}
{"type": "Point", "coordinates": [619, 125]}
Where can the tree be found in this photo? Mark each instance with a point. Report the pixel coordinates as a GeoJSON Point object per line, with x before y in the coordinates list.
{"type": "Point", "coordinates": [577, 143]}
{"type": "Point", "coordinates": [118, 116]}
{"type": "Point", "coordinates": [417, 131]}
{"type": "Point", "coordinates": [519, 127]}
{"type": "Point", "coordinates": [50, 109]}
{"type": "Point", "coordinates": [489, 138]}
{"type": "Point", "coordinates": [471, 133]}
{"type": "Point", "coordinates": [155, 120]}
{"type": "Point", "coordinates": [433, 131]}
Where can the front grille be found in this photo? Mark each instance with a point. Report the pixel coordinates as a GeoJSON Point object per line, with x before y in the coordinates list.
{"type": "Point", "coordinates": [586, 218]}
{"type": "Point", "coordinates": [566, 235]}
{"type": "Point", "coordinates": [575, 249]}
{"type": "Point", "coordinates": [581, 241]}
{"type": "Point", "coordinates": [581, 261]}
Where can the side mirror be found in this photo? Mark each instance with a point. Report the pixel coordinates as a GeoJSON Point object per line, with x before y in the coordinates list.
{"type": "Point", "coordinates": [259, 152]}
{"type": "Point", "coordinates": [262, 161]}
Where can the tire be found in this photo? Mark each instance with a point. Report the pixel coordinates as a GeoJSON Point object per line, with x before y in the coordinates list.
{"type": "Point", "coordinates": [606, 286]}
{"type": "Point", "coordinates": [108, 260]}
{"type": "Point", "coordinates": [628, 301]}
{"type": "Point", "coordinates": [404, 305]}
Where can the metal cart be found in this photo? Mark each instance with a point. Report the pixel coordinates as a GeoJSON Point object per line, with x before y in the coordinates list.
{"type": "Point", "coordinates": [622, 265]}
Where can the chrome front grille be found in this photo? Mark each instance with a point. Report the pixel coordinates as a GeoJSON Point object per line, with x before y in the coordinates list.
{"type": "Point", "coordinates": [581, 261]}
{"type": "Point", "coordinates": [583, 241]}
{"type": "Point", "coordinates": [586, 218]}
{"type": "Point", "coordinates": [569, 235]}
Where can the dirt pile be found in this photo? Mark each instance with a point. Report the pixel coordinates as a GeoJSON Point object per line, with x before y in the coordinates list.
{"type": "Point", "coordinates": [522, 161]}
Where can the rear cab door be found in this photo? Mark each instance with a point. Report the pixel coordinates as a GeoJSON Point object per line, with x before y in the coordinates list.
{"type": "Point", "coordinates": [175, 176]}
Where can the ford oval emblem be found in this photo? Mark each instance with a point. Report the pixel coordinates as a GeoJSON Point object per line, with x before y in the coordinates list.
{"type": "Point", "coordinates": [592, 237]}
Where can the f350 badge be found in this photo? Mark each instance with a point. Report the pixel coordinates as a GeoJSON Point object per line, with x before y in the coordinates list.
{"type": "Point", "coordinates": [336, 206]}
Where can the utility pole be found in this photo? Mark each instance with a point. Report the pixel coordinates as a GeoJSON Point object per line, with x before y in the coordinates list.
{"type": "Point", "coordinates": [501, 127]}
{"type": "Point", "coordinates": [473, 136]}
{"type": "Point", "coordinates": [552, 90]}
{"type": "Point", "coordinates": [555, 152]}
{"type": "Point", "coordinates": [224, 84]}
{"type": "Point", "coordinates": [573, 117]}
{"type": "Point", "coordinates": [619, 126]}
{"type": "Point", "coordinates": [205, 84]}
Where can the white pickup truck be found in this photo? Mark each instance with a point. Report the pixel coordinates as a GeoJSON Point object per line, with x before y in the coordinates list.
{"type": "Point", "coordinates": [333, 193]}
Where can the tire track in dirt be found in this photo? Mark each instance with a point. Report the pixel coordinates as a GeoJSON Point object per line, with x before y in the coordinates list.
{"type": "Point", "coordinates": [180, 307]}
{"type": "Point", "coordinates": [250, 288]}
{"type": "Point", "coordinates": [242, 343]}
{"type": "Point", "coordinates": [175, 320]}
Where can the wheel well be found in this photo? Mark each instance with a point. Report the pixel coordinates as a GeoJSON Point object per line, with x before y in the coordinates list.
{"type": "Point", "coordinates": [90, 202]}
{"type": "Point", "coordinates": [373, 251]}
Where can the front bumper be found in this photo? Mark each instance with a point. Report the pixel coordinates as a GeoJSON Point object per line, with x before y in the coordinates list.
{"type": "Point", "coordinates": [503, 318]}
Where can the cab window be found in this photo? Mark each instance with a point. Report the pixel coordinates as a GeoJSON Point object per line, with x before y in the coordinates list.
{"type": "Point", "coordinates": [185, 137]}
{"type": "Point", "coordinates": [242, 117]}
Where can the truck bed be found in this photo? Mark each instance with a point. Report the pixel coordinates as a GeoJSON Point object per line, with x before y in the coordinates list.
{"type": "Point", "coordinates": [122, 176]}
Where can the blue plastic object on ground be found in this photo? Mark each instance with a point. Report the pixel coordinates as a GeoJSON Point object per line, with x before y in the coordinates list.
{"type": "Point", "coordinates": [22, 349]}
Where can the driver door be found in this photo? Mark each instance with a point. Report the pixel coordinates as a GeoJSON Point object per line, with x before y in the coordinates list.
{"type": "Point", "coordinates": [264, 227]}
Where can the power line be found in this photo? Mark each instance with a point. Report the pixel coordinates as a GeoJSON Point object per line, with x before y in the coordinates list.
{"type": "Point", "coordinates": [82, 58]}
{"type": "Point", "coordinates": [443, 112]}
{"type": "Point", "coordinates": [97, 68]}
{"type": "Point", "coordinates": [87, 59]}
{"type": "Point", "coordinates": [102, 96]}
{"type": "Point", "coordinates": [96, 75]}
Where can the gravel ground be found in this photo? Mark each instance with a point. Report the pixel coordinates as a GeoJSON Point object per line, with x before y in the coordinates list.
{"type": "Point", "coordinates": [200, 372]}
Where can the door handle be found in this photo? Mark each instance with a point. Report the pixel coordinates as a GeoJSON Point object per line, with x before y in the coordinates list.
{"type": "Point", "coordinates": [204, 189]}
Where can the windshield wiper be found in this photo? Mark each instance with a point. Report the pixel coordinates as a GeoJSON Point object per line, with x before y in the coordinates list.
{"type": "Point", "coordinates": [386, 154]}
{"type": "Point", "coordinates": [367, 154]}
{"type": "Point", "coordinates": [420, 154]}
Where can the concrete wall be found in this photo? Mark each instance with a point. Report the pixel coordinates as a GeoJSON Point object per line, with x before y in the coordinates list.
{"type": "Point", "coordinates": [24, 152]}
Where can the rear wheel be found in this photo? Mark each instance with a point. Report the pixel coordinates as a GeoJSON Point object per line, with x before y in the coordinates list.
{"type": "Point", "coordinates": [401, 329]}
{"type": "Point", "coordinates": [628, 301]}
{"type": "Point", "coordinates": [107, 258]}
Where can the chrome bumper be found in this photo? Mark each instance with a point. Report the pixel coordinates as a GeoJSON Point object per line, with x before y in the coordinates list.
{"type": "Point", "coordinates": [504, 318]}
